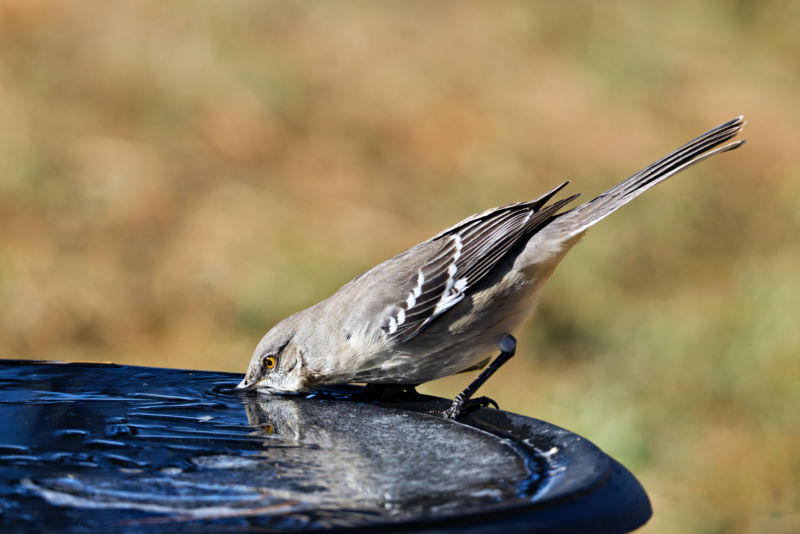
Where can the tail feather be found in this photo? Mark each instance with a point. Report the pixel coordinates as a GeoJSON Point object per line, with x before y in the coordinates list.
{"type": "Point", "coordinates": [580, 218]}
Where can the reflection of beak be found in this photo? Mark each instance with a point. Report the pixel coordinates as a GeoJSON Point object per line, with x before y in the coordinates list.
{"type": "Point", "coordinates": [244, 385]}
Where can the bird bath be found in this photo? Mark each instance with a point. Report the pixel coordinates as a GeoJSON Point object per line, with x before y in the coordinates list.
{"type": "Point", "coordinates": [110, 448]}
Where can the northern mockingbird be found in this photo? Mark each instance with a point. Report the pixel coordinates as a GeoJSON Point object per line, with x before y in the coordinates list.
{"type": "Point", "coordinates": [443, 306]}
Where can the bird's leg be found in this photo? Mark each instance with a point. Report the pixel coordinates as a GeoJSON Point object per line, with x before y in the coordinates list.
{"type": "Point", "coordinates": [508, 346]}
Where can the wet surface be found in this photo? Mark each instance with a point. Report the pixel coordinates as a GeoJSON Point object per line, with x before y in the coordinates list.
{"type": "Point", "coordinates": [87, 448]}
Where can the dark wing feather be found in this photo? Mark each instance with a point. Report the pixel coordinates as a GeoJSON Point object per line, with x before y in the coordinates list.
{"type": "Point", "coordinates": [470, 250]}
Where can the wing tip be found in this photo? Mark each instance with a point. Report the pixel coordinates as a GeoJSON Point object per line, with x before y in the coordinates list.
{"type": "Point", "coordinates": [538, 203]}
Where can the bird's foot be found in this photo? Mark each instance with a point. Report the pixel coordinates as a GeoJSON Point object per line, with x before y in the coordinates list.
{"type": "Point", "coordinates": [460, 408]}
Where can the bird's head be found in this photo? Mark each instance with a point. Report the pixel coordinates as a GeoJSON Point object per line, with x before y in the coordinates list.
{"type": "Point", "coordinates": [277, 364]}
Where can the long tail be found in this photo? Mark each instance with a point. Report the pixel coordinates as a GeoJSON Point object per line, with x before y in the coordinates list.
{"type": "Point", "coordinates": [577, 220]}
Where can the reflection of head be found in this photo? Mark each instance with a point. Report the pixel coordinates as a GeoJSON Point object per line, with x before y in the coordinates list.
{"type": "Point", "coordinates": [274, 416]}
{"type": "Point", "coordinates": [364, 456]}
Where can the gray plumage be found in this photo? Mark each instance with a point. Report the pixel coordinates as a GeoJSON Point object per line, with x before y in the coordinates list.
{"type": "Point", "coordinates": [443, 306]}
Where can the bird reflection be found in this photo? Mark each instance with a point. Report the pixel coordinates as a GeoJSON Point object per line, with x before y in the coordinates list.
{"type": "Point", "coordinates": [389, 461]}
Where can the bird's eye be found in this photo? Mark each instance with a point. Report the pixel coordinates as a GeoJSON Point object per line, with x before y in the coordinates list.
{"type": "Point", "coordinates": [269, 362]}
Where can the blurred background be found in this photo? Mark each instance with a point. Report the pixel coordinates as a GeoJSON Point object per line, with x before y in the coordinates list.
{"type": "Point", "coordinates": [177, 177]}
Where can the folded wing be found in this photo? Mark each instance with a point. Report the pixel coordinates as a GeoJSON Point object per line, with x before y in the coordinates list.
{"type": "Point", "coordinates": [468, 252]}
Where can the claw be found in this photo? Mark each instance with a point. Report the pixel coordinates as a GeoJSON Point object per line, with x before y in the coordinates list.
{"type": "Point", "coordinates": [445, 414]}
{"type": "Point", "coordinates": [484, 402]}
{"type": "Point", "coordinates": [459, 408]}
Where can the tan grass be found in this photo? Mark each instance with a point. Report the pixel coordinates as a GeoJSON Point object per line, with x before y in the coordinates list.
{"type": "Point", "coordinates": [176, 177]}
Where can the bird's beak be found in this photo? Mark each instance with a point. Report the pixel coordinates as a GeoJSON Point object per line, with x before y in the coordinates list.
{"type": "Point", "coordinates": [244, 385]}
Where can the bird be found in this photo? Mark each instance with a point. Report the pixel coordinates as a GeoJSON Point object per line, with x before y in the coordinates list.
{"type": "Point", "coordinates": [446, 305]}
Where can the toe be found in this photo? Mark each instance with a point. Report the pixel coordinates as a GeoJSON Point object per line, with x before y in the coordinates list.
{"type": "Point", "coordinates": [486, 402]}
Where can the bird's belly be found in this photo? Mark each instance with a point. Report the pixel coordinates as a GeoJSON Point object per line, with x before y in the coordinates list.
{"type": "Point", "coordinates": [402, 369]}
{"type": "Point", "coordinates": [430, 356]}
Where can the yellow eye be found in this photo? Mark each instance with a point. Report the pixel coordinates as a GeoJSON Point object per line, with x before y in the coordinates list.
{"type": "Point", "coordinates": [269, 362]}
{"type": "Point", "coordinates": [268, 429]}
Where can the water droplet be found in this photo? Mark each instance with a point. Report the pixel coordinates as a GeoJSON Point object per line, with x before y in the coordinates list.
{"type": "Point", "coordinates": [171, 470]}
{"type": "Point", "coordinates": [75, 434]}
{"type": "Point", "coordinates": [124, 461]}
{"type": "Point", "coordinates": [119, 430]}
{"type": "Point", "coordinates": [105, 444]}
{"type": "Point", "coordinates": [142, 376]}
{"type": "Point", "coordinates": [14, 449]}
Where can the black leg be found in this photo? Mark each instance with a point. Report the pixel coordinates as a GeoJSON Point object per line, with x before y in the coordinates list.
{"type": "Point", "coordinates": [508, 346]}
